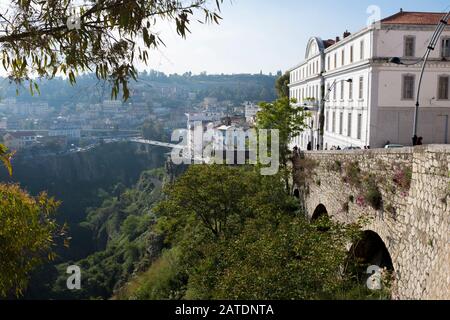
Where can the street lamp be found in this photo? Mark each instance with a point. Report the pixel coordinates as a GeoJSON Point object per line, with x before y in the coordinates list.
{"type": "Point", "coordinates": [332, 87]}
{"type": "Point", "coordinates": [322, 109]}
{"type": "Point", "coordinates": [433, 42]}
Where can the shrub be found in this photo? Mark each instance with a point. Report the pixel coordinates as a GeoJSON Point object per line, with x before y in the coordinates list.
{"type": "Point", "coordinates": [402, 179]}
{"type": "Point", "coordinates": [372, 193]}
{"type": "Point", "coordinates": [27, 234]}
{"type": "Point", "coordinates": [361, 201]}
{"type": "Point", "coordinates": [162, 280]}
{"type": "Point", "coordinates": [336, 166]}
{"type": "Point", "coordinates": [352, 174]}
{"type": "Point", "coordinates": [304, 171]}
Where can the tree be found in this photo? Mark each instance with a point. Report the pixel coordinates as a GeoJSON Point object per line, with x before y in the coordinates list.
{"type": "Point", "coordinates": [267, 250]}
{"type": "Point", "coordinates": [215, 204]}
{"type": "Point", "coordinates": [46, 38]}
{"type": "Point", "coordinates": [286, 260]}
{"type": "Point", "coordinates": [5, 158]}
{"type": "Point", "coordinates": [282, 85]}
{"type": "Point", "coordinates": [288, 119]}
{"type": "Point", "coordinates": [27, 232]}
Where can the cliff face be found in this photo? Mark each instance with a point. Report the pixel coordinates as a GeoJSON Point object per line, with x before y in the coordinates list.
{"type": "Point", "coordinates": [75, 179]}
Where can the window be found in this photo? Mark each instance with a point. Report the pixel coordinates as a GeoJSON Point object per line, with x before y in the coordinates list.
{"type": "Point", "coordinates": [335, 93]}
{"type": "Point", "coordinates": [350, 90]}
{"type": "Point", "coordinates": [351, 54]}
{"type": "Point", "coordinates": [343, 57]}
{"type": "Point", "coordinates": [361, 50]}
{"type": "Point", "coordinates": [341, 123]}
{"type": "Point", "coordinates": [335, 60]}
{"type": "Point", "coordinates": [329, 63]}
{"type": "Point", "coordinates": [446, 47]}
{"type": "Point", "coordinates": [342, 89]}
{"type": "Point", "coordinates": [443, 88]}
{"type": "Point", "coordinates": [327, 120]}
{"type": "Point", "coordinates": [408, 87]}
{"type": "Point", "coordinates": [361, 88]}
{"type": "Point", "coordinates": [349, 125]}
{"type": "Point", "coordinates": [410, 46]}
{"type": "Point", "coordinates": [333, 123]}
{"type": "Point", "coordinates": [359, 126]}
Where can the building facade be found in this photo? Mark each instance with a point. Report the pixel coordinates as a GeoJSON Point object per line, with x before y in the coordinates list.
{"type": "Point", "coordinates": [251, 110]}
{"type": "Point", "coordinates": [366, 99]}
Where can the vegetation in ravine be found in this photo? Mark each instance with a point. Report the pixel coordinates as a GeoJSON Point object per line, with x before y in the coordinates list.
{"type": "Point", "coordinates": [121, 229]}
{"type": "Point", "coordinates": [244, 238]}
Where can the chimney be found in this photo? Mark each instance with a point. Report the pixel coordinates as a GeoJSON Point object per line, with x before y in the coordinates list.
{"type": "Point", "coordinates": [346, 34]}
{"type": "Point", "coordinates": [338, 39]}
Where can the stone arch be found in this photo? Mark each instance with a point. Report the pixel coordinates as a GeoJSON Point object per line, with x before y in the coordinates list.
{"type": "Point", "coordinates": [319, 212]}
{"type": "Point", "coordinates": [296, 192]}
{"type": "Point", "coordinates": [371, 250]}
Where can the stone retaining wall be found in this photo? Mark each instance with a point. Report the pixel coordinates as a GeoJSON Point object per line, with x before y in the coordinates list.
{"type": "Point", "coordinates": [413, 220]}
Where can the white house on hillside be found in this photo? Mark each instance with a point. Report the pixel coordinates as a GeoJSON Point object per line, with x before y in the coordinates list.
{"type": "Point", "coordinates": [370, 101]}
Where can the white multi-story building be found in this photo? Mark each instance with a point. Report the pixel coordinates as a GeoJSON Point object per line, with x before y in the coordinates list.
{"type": "Point", "coordinates": [369, 101]}
{"type": "Point", "coordinates": [251, 110]}
{"type": "Point", "coordinates": [68, 131]}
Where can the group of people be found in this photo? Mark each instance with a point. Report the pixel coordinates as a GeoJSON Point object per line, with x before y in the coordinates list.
{"type": "Point", "coordinates": [417, 141]}
{"type": "Point", "coordinates": [296, 149]}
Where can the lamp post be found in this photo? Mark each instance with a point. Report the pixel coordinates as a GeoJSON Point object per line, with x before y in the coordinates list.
{"type": "Point", "coordinates": [433, 42]}
{"type": "Point", "coordinates": [322, 110]}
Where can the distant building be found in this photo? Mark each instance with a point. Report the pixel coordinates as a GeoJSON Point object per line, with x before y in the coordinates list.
{"type": "Point", "coordinates": [20, 139]}
{"type": "Point", "coordinates": [3, 123]}
{"type": "Point", "coordinates": [112, 106]}
{"type": "Point", "coordinates": [369, 100]}
{"type": "Point", "coordinates": [209, 102]}
{"type": "Point", "coordinates": [251, 110]}
{"type": "Point", "coordinates": [68, 131]}
{"type": "Point", "coordinates": [13, 123]}
{"type": "Point", "coordinates": [203, 117]}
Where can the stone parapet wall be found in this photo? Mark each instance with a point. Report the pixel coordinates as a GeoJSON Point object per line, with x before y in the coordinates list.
{"type": "Point", "coordinates": [413, 219]}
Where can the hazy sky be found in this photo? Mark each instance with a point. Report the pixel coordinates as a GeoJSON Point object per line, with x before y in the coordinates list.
{"type": "Point", "coordinates": [270, 35]}
{"type": "Point", "coordinates": [267, 35]}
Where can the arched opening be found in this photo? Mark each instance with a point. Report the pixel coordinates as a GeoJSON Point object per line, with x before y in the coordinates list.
{"type": "Point", "coordinates": [297, 193]}
{"type": "Point", "coordinates": [371, 250]}
{"type": "Point", "coordinates": [320, 212]}
{"type": "Point", "coordinates": [370, 267]}
{"type": "Point", "coordinates": [321, 218]}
